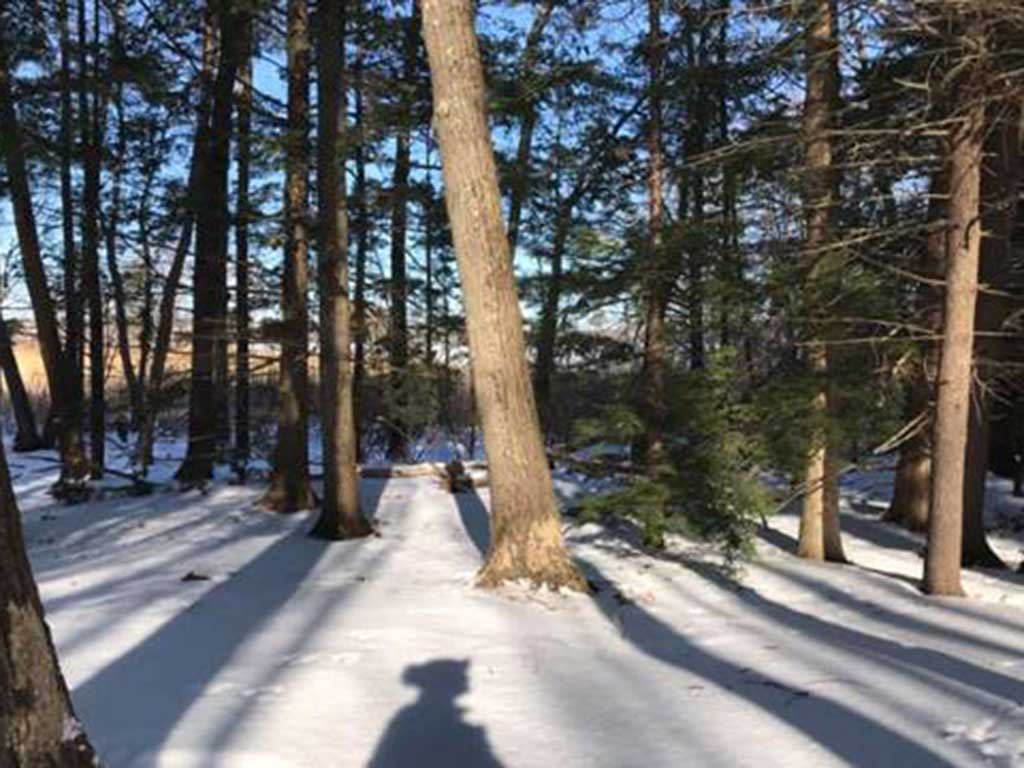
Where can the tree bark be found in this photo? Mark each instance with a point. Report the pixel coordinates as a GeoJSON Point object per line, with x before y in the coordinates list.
{"type": "Point", "coordinates": [290, 489]}
{"type": "Point", "coordinates": [1000, 190]}
{"type": "Point", "coordinates": [820, 537]}
{"type": "Point", "coordinates": [27, 437]}
{"type": "Point", "coordinates": [341, 516]}
{"type": "Point", "coordinates": [362, 221]}
{"type": "Point", "coordinates": [37, 722]}
{"type": "Point", "coordinates": [953, 388]}
{"type": "Point", "coordinates": [526, 536]}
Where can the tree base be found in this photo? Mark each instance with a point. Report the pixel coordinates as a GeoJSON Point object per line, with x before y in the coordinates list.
{"type": "Point", "coordinates": [278, 499]}
{"type": "Point", "coordinates": [341, 530]}
{"type": "Point", "coordinates": [986, 558]}
{"type": "Point", "coordinates": [27, 443]}
{"type": "Point", "coordinates": [555, 573]}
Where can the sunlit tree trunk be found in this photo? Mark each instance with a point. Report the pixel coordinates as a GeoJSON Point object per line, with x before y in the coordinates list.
{"type": "Point", "coordinates": [526, 535]}
{"type": "Point", "coordinates": [27, 437]}
{"type": "Point", "coordinates": [819, 522]}
{"type": "Point", "coordinates": [953, 388]}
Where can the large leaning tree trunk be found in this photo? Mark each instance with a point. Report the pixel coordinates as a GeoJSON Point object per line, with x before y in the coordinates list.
{"type": "Point", "coordinates": [819, 521]}
{"type": "Point", "coordinates": [953, 388]}
{"type": "Point", "coordinates": [37, 722]}
{"type": "Point", "coordinates": [67, 422]}
{"type": "Point", "coordinates": [290, 489]}
{"type": "Point", "coordinates": [340, 516]}
{"type": "Point", "coordinates": [211, 223]}
{"type": "Point", "coordinates": [527, 538]}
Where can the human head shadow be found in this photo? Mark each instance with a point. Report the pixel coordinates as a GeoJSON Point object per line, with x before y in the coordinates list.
{"type": "Point", "coordinates": [138, 699]}
{"type": "Point", "coordinates": [848, 734]}
{"type": "Point", "coordinates": [431, 730]}
{"type": "Point", "coordinates": [476, 520]}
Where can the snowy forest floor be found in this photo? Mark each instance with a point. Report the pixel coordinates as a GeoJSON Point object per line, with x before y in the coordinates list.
{"type": "Point", "coordinates": [196, 630]}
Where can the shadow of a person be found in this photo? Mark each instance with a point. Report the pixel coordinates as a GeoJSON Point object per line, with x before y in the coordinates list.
{"type": "Point", "coordinates": [431, 730]}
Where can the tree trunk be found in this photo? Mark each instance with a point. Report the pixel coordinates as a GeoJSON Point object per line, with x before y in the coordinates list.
{"type": "Point", "coordinates": [211, 224]}
{"type": "Point", "coordinates": [74, 466]}
{"type": "Point", "coordinates": [72, 296]}
{"type": "Point", "coordinates": [91, 118]}
{"type": "Point", "coordinates": [399, 325]}
{"type": "Point", "coordinates": [37, 722]}
{"type": "Point", "coordinates": [124, 343]}
{"type": "Point", "coordinates": [242, 438]}
{"type": "Point", "coordinates": [659, 277]}
{"type": "Point", "coordinates": [290, 490]}
{"type": "Point", "coordinates": [953, 388]}
{"type": "Point", "coordinates": [819, 522]}
{"type": "Point", "coordinates": [362, 220]}
{"type": "Point", "coordinates": [544, 370]}
{"type": "Point", "coordinates": [1000, 190]}
{"type": "Point", "coordinates": [340, 517]}
{"type": "Point", "coordinates": [526, 536]}
{"type": "Point", "coordinates": [912, 484]}
{"type": "Point", "coordinates": [27, 437]}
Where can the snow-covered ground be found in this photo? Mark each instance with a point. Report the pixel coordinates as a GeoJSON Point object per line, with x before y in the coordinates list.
{"type": "Point", "coordinates": [196, 630]}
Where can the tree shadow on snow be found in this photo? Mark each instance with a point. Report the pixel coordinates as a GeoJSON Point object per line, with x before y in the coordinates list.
{"type": "Point", "coordinates": [840, 729]}
{"type": "Point", "coordinates": [476, 520]}
{"type": "Point", "coordinates": [432, 730]}
{"type": "Point", "coordinates": [132, 706]}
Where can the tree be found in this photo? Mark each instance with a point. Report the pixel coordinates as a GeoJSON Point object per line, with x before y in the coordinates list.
{"type": "Point", "coordinates": [56, 364]}
{"type": "Point", "coordinates": [527, 539]}
{"type": "Point", "coordinates": [290, 490]}
{"type": "Point", "coordinates": [963, 250]}
{"type": "Point", "coordinates": [27, 437]}
{"type": "Point", "coordinates": [340, 517]}
{"type": "Point", "coordinates": [211, 212]}
{"type": "Point", "coordinates": [37, 722]}
{"type": "Point", "coordinates": [819, 521]}
{"type": "Point", "coordinates": [244, 159]}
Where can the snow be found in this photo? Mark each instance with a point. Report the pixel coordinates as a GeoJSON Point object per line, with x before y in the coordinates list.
{"type": "Point", "coordinates": [284, 651]}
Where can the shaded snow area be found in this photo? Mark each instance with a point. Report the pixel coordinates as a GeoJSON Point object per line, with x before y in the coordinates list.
{"type": "Point", "coordinates": [196, 630]}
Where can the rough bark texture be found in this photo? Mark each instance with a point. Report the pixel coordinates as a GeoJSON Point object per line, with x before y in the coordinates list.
{"type": "Point", "coordinates": [38, 728]}
{"type": "Point", "coordinates": [211, 225]}
{"type": "Point", "coordinates": [819, 522]}
{"type": "Point", "coordinates": [1000, 190]}
{"type": "Point", "coordinates": [340, 516]}
{"type": "Point", "coordinates": [953, 388]}
{"type": "Point", "coordinates": [362, 225]}
{"type": "Point", "coordinates": [66, 424]}
{"type": "Point", "coordinates": [27, 437]}
{"type": "Point", "coordinates": [526, 538]}
{"type": "Point", "coordinates": [290, 489]}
